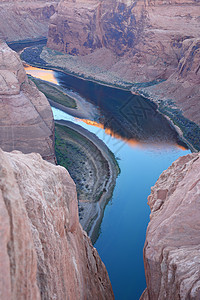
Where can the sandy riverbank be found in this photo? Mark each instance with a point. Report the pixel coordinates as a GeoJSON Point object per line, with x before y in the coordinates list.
{"type": "Point", "coordinates": [93, 168]}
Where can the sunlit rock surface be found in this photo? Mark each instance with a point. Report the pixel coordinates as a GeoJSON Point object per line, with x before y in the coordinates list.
{"type": "Point", "coordinates": [172, 247]}
{"type": "Point", "coordinates": [25, 19]}
{"type": "Point", "coordinates": [45, 254]}
{"type": "Point", "coordinates": [26, 118]}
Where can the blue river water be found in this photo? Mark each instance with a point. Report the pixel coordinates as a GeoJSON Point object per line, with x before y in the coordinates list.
{"type": "Point", "coordinates": [123, 229]}
{"type": "Point", "coordinates": [141, 160]}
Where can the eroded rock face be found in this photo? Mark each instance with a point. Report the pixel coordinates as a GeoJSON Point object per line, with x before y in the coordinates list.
{"type": "Point", "coordinates": [146, 41]}
{"type": "Point", "coordinates": [150, 34]}
{"type": "Point", "coordinates": [45, 254]}
{"type": "Point", "coordinates": [183, 86]}
{"type": "Point", "coordinates": [172, 247]}
{"type": "Point", "coordinates": [81, 27]}
{"type": "Point", "coordinates": [26, 118]}
{"type": "Point", "coordinates": [28, 19]}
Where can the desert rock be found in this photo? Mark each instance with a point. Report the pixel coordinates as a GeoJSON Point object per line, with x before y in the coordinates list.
{"type": "Point", "coordinates": [145, 42]}
{"type": "Point", "coordinates": [20, 20]}
{"type": "Point", "coordinates": [172, 247]}
{"type": "Point", "coordinates": [45, 254]}
{"type": "Point", "coordinates": [26, 118]}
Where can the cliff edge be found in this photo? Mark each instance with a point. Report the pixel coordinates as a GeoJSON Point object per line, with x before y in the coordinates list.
{"type": "Point", "coordinates": [172, 246]}
{"type": "Point", "coordinates": [26, 118]}
{"type": "Point", "coordinates": [45, 254]}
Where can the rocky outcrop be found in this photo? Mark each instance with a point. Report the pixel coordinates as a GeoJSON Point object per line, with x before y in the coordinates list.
{"type": "Point", "coordinates": [145, 42]}
{"type": "Point", "coordinates": [45, 254]}
{"type": "Point", "coordinates": [172, 247]}
{"type": "Point", "coordinates": [26, 118]}
{"type": "Point", "coordinates": [20, 20]}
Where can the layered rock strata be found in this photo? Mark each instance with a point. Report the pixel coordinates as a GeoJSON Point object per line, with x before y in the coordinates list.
{"type": "Point", "coordinates": [142, 42]}
{"type": "Point", "coordinates": [172, 246]}
{"type": "Point", "coordinates": [26, 118]}
{"type": "Point", "coordinates": [25, 19]}
{"type": "Point", "coordinates": [45, 254]}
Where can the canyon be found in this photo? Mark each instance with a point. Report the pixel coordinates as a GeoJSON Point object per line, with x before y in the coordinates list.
{"type": "Point", "coordinates": [44, 251]}
{"type": "Point", "coordinates": [153, 43]}
{"type": "Point", "coordinates": [154, 46]}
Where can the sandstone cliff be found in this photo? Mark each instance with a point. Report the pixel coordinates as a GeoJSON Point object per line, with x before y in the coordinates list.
{"type": "Point", "coordinates": [26, 118]}
{"type": "Point", "coordinates": [25, 19]}
{"type": "Point", "coordinates": [172, 247]}
{"type": "Point", "coordinates": [145, 42]}
{"type": "Point", "coordinates": [45, 254]}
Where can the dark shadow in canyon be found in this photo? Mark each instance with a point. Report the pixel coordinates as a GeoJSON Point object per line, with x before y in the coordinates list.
{"type": "Point", "coordinates": [129, 116]}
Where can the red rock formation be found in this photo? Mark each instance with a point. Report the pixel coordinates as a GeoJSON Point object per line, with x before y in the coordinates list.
{"type": "Point", "coordinates": [26, 118]}
{"type": "Point", "coordinates": [25, 19]}
{"type": "Point", "coordinates": [45, 254]}
{"type": "Point", "coordinates": [172, 247]}
{"type": "Point", "coordinates": [145, 41]}
{"type": "Point", "coordinates": [81, 27]}
{"type": "Point", "coordinates": [148, 34]}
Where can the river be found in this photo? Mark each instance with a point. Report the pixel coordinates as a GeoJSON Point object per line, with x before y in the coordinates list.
{"type": "Point", "coordinates": [144, 144]}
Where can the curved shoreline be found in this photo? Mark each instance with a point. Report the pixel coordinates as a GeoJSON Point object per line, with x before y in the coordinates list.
{"type": "Point", "coordinates": [94, 210]}
{"type": "Point", "coordinates": [174, 114]}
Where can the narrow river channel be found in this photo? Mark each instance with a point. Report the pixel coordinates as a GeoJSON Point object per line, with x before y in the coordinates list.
{"type": "Point", "coordinates": [144, 145]}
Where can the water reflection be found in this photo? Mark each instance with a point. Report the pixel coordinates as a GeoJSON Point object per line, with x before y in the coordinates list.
{"type": "Point", "coordinates": [131, 141]}
{"type": "Point", "coordinates": [43, 74]}
{"type": "Point", "coordinates": [129, 119]}
{"type": "Point", "coordinates": [122, 114]}
{"type": "Point", "coordinates": [125, 116]}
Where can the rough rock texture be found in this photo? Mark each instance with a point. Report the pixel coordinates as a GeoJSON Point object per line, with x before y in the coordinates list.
{"type": "Point", "coordinates": [45, 254]}
{"type": "Point", "coordinates": [26, 118]}
{"type": "Point", "coordinates": [146, 41]}
{"type": "Point", "coordinates": [149, 34]}
{"type": "Point", "coordinates": [25, 19]}
{"type": "Point", "coordinates": [80, 27]}
{"type": "Point", "coordinates": [183, 86]}
{"type": "Point", "coordinates": [172, 247]}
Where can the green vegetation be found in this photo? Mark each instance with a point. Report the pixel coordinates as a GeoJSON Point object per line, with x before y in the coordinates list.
{"type": "Point", "coordinates": [87, 166]}
{"type": "Point", "coordinates": [64, 146]}
{"type": "Point", "coordinates": [54, 93]}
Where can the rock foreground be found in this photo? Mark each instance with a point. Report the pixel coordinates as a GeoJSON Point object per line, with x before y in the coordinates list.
{"type": "Point", "coordinates": [26, 118]}
{"type": "Point", "coordinates": [45, 254]}
{"type": "Point", "coordinates": [145, 41]}
{"type": "Point", "coordinates": [172, 247]}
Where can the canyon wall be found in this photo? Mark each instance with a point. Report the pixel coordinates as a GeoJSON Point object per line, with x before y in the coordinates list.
{"type": "Point", "coordinates": [45, 254]}
{"type": "Point", "coordinates": [26, 118]}
{"type": "Point", "coordinates": [149, 34]}
{"type": "Point", "coordinates": [25, 19]}
{"type": "Point", "coordinates": [145, 42]}
{"type": "Point", "coordinates": [172, 246]}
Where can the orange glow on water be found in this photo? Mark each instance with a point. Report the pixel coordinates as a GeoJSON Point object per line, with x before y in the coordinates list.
{"type": "Point", "coordinates": [181, 147]}
{"type": "Point", "coordinates": [43, 74]}
{"type": "Point", "coordinates": [48, 75]}
{"type": "Point", "coordinates": [108, 131]}
{"type": "Point", "coordinates": [130, 142]}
